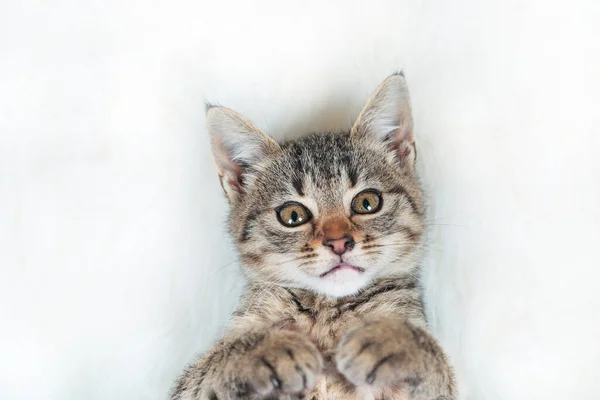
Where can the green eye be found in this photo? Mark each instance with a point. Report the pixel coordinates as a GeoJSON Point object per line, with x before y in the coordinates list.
{"type": "Point", "coordinates": [367, 202]}
{"type": "Point", "coordinates": [293, 214]}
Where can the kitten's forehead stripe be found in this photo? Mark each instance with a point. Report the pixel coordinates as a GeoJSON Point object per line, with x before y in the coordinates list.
{"type": "Point", "coordinates": [298, 183]}
{"type": "Point", "coordinates": [322, 156]}
{"type": "Point", "coordinates": [352, 175]}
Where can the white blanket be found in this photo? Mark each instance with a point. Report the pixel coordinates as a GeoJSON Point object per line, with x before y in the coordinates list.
{"type": "Point", "coordinates": [115, 267]}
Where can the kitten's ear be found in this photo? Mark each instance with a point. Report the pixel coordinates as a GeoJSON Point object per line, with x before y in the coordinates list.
{"type": "Point", "coordinates": [387, 118]}
{"type": "Point", "coordinates": [238, 148]}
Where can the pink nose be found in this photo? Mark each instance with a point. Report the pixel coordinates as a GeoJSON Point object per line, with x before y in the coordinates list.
{"type": "Point", "coordinates": [341, 245]}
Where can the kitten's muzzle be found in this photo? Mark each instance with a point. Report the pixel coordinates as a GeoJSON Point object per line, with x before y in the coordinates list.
{"type": "Point", "coordinates": [341, 245]}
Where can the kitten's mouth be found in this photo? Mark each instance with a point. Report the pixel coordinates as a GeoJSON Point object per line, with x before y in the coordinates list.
{"type": "Point", "coordinates": [341, 267]}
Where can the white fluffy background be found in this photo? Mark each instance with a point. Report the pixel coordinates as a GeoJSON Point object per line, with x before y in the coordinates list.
{"type": "Point", "coordinates": [114, 265]}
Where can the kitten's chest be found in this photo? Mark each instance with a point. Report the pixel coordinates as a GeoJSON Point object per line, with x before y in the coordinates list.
{"type": "Point", "coordinates": [326, 322]}
{"type": "Point", "coordinates": [327, 327]}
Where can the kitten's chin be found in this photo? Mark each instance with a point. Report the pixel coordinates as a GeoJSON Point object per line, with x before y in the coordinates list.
{"type": "Point", "coordinates": [342, 283]}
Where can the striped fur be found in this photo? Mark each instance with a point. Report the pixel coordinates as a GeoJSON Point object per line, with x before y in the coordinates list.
{"type": "Point", "coordinates": [300, 332]}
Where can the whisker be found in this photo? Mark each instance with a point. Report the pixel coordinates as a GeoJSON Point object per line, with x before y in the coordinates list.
{"type": "Point", "coordinates": [373, 238]}
{"type": "Point", "coordinates": [221, 269]}
{"type": "Point", "coordinates": [402, 244]}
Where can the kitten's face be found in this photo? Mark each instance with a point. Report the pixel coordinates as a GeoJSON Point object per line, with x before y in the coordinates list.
{"type": "Point", "coordinates": [329, 212]}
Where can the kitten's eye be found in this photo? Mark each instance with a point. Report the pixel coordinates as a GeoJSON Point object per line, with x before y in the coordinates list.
{"type": "Point", "coordinates": [367, 202]}
{"type": "Point", "coordinates": [293, 214]}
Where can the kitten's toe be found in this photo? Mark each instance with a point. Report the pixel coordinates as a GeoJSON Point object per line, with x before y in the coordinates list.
{"type": "Point", "coordinates": [374, 355]}
{"type": "Point", "coordinates": [287, 364]}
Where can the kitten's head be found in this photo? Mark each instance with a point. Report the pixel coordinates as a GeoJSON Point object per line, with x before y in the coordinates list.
{"type": "Point", "coordinates": [327, 212]}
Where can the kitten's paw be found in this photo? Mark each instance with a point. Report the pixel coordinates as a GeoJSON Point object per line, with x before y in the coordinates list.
{"type": "Point", "coordinates": [382, 354]}
{"type": "Point", "coordinates": [286, 363]}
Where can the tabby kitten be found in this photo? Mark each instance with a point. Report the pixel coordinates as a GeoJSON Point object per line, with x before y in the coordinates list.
{"type": "Point", "coordinates": [330, 231]}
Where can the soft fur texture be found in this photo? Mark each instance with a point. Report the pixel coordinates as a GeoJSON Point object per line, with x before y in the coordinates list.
{"type": "Point", "coordinates": [333, 309]}
{"type": "Point", "coordinates": [115, 266]}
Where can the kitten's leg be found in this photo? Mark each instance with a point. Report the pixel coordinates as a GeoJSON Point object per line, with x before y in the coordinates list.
{"type": "Point", "coordinates": [253, 365]}
{"type": "Point", "coordinates": [393, 353]}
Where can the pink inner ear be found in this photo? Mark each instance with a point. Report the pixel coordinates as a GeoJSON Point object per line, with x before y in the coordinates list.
{"type": "Point", "coordinates": [407, 153]}
{"type": "Point", "coordinates": [405, 150]}
{"type": "Point", "coordinates": [231, 182]}
{"type": "Point", "coordinates": [230, 173]}
{"type": "Point", "coordinates": [235, 176]}
{"type": "Point", "coordinates": [221, 182]}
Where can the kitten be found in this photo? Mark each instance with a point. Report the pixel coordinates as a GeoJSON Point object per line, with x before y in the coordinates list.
{"type": "Point", "coordinates": [330, 231]}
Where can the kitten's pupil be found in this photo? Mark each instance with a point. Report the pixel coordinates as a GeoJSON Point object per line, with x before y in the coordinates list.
{"type": "Point", "coordinates": [294, 216]}
{"type": "Point", "coordinates": [366, 204]}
